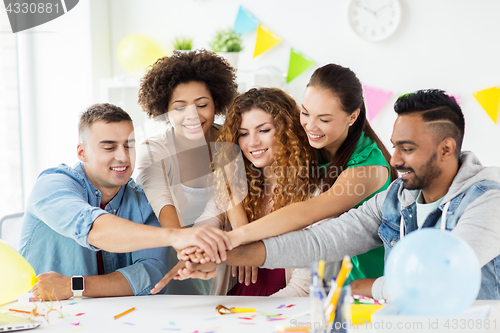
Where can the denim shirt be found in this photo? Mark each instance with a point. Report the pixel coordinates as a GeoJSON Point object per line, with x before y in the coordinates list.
{"type": "Point", "coordinates": [60, 211]}
{"type": "Point", "coordinates": [389, 230]}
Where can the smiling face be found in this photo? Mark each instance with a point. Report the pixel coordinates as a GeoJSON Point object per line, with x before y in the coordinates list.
{"type": "Point", "coordinates": [108, 155]}
{"type": "Point", "coordinates": [191, 110]}
{"type": "Point", "coordinates": [323, 119]}
{"type": "Point", "coordinates": [256, 137]}
{"type": "Point", "coordinates": [415, 154]}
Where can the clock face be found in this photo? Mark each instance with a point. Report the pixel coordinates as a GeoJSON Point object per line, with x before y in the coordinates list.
{"type": "Point", "coordinates": [374, 20]}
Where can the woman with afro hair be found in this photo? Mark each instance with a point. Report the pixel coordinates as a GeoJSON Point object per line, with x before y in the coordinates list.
{"type": "Point", "coordinates": [184, 91]}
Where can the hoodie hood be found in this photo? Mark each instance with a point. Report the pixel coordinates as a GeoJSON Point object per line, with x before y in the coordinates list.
{"type": "Point", "coordinates": [470, 172]}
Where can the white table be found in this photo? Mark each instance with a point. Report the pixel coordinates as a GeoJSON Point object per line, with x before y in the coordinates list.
{"type": "Point", "coordinates": [188, 314]}
{"type": "Point", "coordinates": [165, 313]}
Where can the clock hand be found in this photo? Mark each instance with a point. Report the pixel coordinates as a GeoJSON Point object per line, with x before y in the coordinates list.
{"type": "Point", "coordinates": [369, 10]}
{"type": "Point", "coordinates": [376, 12]}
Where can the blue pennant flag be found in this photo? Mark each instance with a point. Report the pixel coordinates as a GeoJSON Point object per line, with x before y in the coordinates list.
{"type": "Point", "coordinates": [245, 21]}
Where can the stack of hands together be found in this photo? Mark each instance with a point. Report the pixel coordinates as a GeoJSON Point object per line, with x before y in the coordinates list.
{"type": "Point", "coordinates": [200, 262]}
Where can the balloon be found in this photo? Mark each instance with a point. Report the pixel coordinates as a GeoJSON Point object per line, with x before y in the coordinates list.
{"type": "Point", "coordinates": [136, 52]}
{"type": "Point", "coordinates": [16, 274]}
{"type": "Point", "coordinates": [432, 273]}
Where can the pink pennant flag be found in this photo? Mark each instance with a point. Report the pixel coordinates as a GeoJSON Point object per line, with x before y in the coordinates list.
{"type": "Point", "coordinates": [375, 100]}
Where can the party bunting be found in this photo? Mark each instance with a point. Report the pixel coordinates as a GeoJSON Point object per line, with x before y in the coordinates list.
{"type": "Point", "coordinates": [375, 99]}
{"type": "Point", "coordinates": [297, 65]}
{"type": "Point", "coordinates": [489, 100]}
{"type": "Point", "coordinates": [266, 39]}
{"type": "Point", "coordinates": [245, 21]}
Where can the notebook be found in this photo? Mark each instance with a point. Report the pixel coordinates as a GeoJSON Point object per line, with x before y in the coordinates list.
{"type": "Point", "coordinates": [10, 323]}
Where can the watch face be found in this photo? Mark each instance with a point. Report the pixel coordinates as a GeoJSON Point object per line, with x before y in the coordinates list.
{"type": "Point", "coordinates": [77, 283]}
{"type": "Point", "coordinates": [374, 19]}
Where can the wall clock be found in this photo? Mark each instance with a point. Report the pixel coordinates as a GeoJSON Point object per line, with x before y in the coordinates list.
{"type": "Point", "coordinates": [374, 20]}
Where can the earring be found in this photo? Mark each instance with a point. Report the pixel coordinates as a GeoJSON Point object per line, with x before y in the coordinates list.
{"type": "Point", "coordinates": [350, 124]}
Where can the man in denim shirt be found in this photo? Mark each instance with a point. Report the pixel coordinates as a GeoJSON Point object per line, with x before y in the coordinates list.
{"type": "Point", "coordinates": [439, 187]}
{"type": "Point", "coordinates": [92, 220]}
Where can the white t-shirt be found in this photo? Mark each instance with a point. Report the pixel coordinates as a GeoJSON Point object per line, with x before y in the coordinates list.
{"type": "Point", "coordinates": [423, 210]}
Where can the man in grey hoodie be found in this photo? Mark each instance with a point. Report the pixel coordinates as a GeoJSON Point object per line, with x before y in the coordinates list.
{"type": "Point", "coordinates": [439, 187]}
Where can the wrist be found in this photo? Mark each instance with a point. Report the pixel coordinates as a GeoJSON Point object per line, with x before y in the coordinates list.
{"type": "Point", "coordinates": [236, 237]}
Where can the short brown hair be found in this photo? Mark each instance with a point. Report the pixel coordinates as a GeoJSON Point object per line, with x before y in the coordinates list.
{"type": "Point", "coordinates": [184, 67]}
{"type": "Point", "coordinates": [106, 112]}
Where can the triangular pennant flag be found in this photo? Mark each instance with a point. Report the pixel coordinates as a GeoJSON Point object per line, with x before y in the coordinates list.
{"type": "Point", "coordinates": [489, 100]}
{"type": "Point", "coordinates": [245, 21]}
{"type": "Point", "coordinates": [297, 65]}
{"type": "Point", "coordinates": [375, 101]}
{"type": "Point", "coordinates": [265, 40]}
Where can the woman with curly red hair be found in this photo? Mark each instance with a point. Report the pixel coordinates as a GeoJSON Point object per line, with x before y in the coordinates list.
{"type": "Point", "coordinates": [265, 124]}
{"type": "Point", "coordinates": [184, 91]}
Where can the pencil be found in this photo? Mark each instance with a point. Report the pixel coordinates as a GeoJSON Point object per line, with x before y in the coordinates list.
{"type": "Point", "coordinates": [20, 311]}
{"type": "Point", "coordinates": [124, 313]}
{"type": "Point", "coordinates": [345, 269]}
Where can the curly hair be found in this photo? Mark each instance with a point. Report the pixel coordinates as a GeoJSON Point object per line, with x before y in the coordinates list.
{"type": "Point", "coordinates": [183, 67]}
{"type": "Point", "coordinates": [293, 154]}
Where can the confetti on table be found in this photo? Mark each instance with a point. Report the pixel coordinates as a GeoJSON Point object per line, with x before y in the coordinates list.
{"type": "Point", "coordinates": [34, 299]}
{"type": "Point", "coordinates": [210, 318]}
{"type": "Point", "coordinates": [64, 316]}
{"type": "Point", "coordinates": [281, 306]}
{"type": "Point", "coordinates": [247, 318]}
{"type": "Point", "coordinates": [129, 324]}
{"type": "Point", "coordinates": [79, 314]}
{"type": "Point", "coordinates": [77, 329]}
{"type": "Point", "coordinates": [172, 323]}
{"type": "Point", "coordinates": [274, 319]}
{"type": "Point", "coordinates": [171, 329]}
{"type": "Point", "coordinates": [291, 305]}
{"type": "Point", "coordinates": [76, 324]}
{"type": "Point", "coordinates": [73, 303]}
{"type": "Point", "coordinates": [247, 323]}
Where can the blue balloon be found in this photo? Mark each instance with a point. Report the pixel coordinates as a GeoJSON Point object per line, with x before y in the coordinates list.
{"type": "Point", "coordinates": [432, 273]}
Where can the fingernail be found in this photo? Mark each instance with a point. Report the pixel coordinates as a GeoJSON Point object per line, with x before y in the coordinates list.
{"type": "Point", "coordinates": [253, 281]}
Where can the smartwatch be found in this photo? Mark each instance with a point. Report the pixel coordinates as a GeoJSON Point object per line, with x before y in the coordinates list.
{"type": "Point", "coordinates": [77, 286]}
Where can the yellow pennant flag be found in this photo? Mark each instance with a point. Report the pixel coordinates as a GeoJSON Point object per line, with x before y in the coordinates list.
{"type": "Point", "coordinates": [489, 100]}
{"type": "Point", "coordinates": [266, 39]}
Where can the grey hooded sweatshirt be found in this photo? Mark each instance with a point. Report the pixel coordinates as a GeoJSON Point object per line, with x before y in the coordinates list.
{"type": "Point", "coordinates": [473, 214]}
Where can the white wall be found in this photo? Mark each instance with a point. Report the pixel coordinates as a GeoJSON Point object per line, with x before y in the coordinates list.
{"type": "Point", "coordinates": [58, 68]}
{"type": "Point", "coordinates": [447, 44]}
